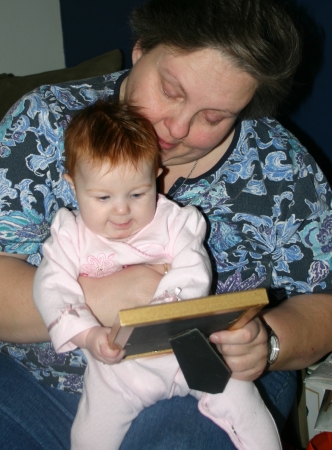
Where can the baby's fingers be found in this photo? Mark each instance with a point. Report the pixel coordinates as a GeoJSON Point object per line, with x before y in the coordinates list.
{"type": "Point", "coordinates": [111, 355]}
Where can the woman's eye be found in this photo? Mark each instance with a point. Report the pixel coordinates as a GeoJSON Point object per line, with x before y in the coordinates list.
{"type": "Point", "coordinates": [167, 94]}
{"type": "Point", "coordinates": [168, 90]}
{"type": "Point", "coordinates": [213, 120]}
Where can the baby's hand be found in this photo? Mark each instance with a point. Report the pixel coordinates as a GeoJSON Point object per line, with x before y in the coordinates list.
{"type": "Point", "coordinates": [96, 342]}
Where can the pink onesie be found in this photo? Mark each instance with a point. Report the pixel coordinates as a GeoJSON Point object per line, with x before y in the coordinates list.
{"type": "Point", "coordinates": [114, 395]}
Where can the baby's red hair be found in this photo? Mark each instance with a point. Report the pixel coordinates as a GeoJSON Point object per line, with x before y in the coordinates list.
{"type": "Point", "coordinates": [113, 133]}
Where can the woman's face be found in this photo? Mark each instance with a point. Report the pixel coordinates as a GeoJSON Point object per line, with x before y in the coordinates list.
{"type": "Point", "coordinates": [192, 99]}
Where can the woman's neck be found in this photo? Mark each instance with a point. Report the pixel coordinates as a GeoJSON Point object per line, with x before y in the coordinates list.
{"type": "Point", "coordinates": [172, 173]}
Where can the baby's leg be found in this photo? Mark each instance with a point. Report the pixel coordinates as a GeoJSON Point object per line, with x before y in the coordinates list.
{"type": "Point", "coordinates": [104, 413]}
{"type": "Point", "coordinates": [114, 395]}
{"type": "Point", "coordinates": [241, 412]}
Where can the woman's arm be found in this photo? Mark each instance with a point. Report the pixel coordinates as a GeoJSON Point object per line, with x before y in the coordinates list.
{"type": "Point", "coordinates": [20, 321]}
{"type": "Point", "coordinates": [130, 287]}
{"type": "Point", "coordinates": [303, 326]}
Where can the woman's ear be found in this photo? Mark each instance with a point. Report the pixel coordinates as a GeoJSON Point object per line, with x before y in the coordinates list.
{"type": "Point", "coordinates": [136, 53]}
{"type": "Point", "coordinates": [69, 179]}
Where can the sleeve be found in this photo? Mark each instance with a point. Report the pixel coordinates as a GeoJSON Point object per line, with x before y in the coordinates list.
{"type": "Point", "coordinates": [285, 233]}
{"type": "Point", "coordinates": [56, 291]}
{"type": "Point", "coordinates": [191, 269]}
{"type": "Point", "coordinates": [28, 143]}
{"type": "Point", "coordinates": [306, 261]}
{"type": "Point", "coordinates": [31, 185]}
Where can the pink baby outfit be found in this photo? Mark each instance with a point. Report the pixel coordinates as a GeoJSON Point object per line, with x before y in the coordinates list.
{"type": "Point", "coordinates": [114, 395]}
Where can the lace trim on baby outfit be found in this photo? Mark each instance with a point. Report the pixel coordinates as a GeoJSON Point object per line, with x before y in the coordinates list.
{"type": "Point", "coordinates": [68, 309]}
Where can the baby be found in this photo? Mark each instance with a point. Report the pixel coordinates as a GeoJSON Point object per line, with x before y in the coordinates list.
{"type": "Point", "coordinates": [112, 161]}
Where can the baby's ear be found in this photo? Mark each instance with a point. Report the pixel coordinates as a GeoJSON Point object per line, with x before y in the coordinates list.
{"type": "Point", "coordinates": [69, 179]}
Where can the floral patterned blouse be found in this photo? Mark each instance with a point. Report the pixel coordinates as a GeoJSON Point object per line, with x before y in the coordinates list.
{"type": "Point", "coordinates": [267, 205]}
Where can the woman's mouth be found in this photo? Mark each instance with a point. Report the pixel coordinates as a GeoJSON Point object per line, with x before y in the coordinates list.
{"type": "Point", "coordinates": [165, 145]}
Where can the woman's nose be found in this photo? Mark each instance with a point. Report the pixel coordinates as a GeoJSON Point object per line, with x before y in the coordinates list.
{"type": "Point", "coordinates": [178, 127]}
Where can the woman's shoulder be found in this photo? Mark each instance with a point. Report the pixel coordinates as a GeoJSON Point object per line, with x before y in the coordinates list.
{"type": "Point", "coordinates": [82, 92]}
{"type": "Point", "coordinates": [278, 154]}
{"type": "Point", "coordinates": [269, 135]}
{"type": "Point", "coordinates": [269, 142]}
{"type": "Point", "coordinates": [56, 102]}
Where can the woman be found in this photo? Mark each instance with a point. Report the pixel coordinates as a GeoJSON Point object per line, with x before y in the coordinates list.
{"type": "Point", "coordinates": [205, 74]}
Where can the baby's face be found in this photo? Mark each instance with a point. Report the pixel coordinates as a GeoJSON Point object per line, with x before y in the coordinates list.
{"type": "Point", "coordinates": [115, 203]}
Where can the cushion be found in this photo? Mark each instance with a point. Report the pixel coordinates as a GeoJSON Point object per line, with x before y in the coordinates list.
{"type": "Point", "coordinates": [12, 88]}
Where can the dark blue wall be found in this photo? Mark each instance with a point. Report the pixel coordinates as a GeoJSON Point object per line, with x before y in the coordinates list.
{"type": "Point", "coordinates": [308, 113]}
{"type": "Point", "coordinates": [91, 28]}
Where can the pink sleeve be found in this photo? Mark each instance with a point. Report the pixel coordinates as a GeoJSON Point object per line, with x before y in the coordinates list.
{"type": "Point", "coordinates": [56, 291]}
{"type": "Point", "coordinates": [191, 268]}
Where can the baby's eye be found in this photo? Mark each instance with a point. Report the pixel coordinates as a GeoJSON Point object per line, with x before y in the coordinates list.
{"type": "Point", "coordinates": [103, 199]}
{"type": "Point", "coordinates": [137, 195]}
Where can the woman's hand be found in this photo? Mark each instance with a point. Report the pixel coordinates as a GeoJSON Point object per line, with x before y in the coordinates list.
{"type": "Point", "coordinates": [244, 350]}
{"type": "Point", "coordinates": [303, 326]}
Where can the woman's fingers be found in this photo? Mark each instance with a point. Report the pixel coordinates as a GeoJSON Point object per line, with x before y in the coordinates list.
{"type": "Point", "coordinates": [244, 350]}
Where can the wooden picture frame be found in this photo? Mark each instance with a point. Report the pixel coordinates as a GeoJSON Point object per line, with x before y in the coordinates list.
{"type": "Point", "coordinates": [145, 331]}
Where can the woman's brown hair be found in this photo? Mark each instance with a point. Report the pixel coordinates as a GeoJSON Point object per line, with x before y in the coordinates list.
{"type": "Point", "coordinates": [258, 36]}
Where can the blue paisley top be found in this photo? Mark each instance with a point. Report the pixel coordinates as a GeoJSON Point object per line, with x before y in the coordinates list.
{"type": "Point", "coordinates": [267, 203]}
